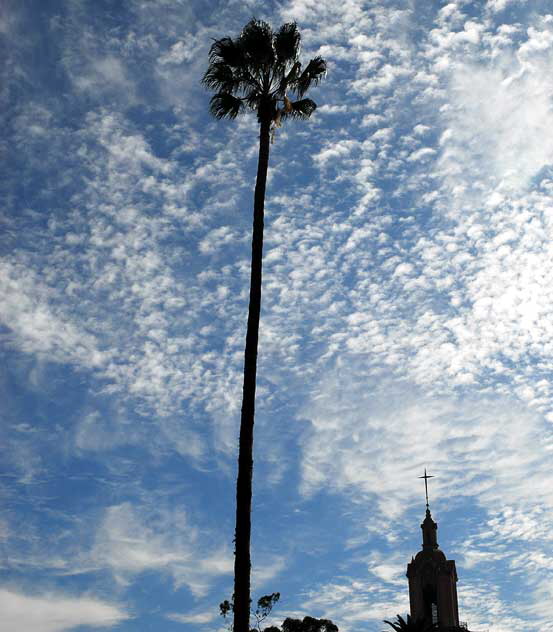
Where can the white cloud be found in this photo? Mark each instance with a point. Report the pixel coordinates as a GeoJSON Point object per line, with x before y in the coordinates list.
{"type": "Point", "coordinates": [498, 106]}
{"type": "Point", "coordinates": [352, 602]}
{"type": "Point", "coordinates": [265, 569]}
{"type": "Point", "coordinates": [332, 109]}
{"type": "Point", "coordinates": [356, 426]}
{"type": "Point", "coordinates": [127, 153]}
{"type": "Point", "coordinates": [131, 540]}
{"type": "Point", "coordinates": [421, 154]}
{"type": "Point", "coordinates": [99, 433]}
{"type": "Point", "coordinates": [199, 617]}
{"type": "Point", "coordinates": [36, 327]}
{"type": "Point", "coordinates": [102, 73]}
{"type": "Point", "coordinates": [181, 51]}
{"type": "Point", "coordinates": [495, 122]}
{"type": "Point", "coordinates": [390, 567]}
{"type": "Point", "coordinates": [217, 238]}
{"type": "Point", "coordinates": [333, 151]}
{"type": "Point", "coordinates": [498, 5]}
{"type": "Point", "coordinates": [55, 613]}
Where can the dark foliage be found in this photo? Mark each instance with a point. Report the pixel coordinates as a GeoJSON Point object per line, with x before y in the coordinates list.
{"type": "Point", "coordinates": [265, 605]}
{"type": "Point", "coordinates": [309, 624]}
{"type": "Point", "coordinates": [411, 625]}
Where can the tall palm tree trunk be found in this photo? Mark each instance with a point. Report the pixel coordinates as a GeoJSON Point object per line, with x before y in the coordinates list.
{"type": "Point", "coordinates": [242, 563]}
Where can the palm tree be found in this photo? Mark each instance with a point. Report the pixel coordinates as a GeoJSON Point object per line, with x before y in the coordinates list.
{"type": "Point", "coordinates": [411, 625]}
{"type": "Point", "coordinates": [258, 71]}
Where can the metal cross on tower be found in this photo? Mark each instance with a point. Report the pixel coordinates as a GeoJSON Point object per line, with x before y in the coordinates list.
{"type": "Point", "coordinates": [426, 477]}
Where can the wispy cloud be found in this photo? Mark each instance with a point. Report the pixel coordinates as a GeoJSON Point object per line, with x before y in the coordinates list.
{"type": "Point", "coordinates": [52, 612]}
{"type": "Point", "coordinates": [129, 545]}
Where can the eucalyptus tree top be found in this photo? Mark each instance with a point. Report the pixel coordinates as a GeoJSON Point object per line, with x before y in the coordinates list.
{"type": "Point", "coordinates": [260, 70]}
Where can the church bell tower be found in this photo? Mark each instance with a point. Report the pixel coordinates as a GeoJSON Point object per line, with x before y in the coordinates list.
{"type": "Point", "coordinates": [433, 580]}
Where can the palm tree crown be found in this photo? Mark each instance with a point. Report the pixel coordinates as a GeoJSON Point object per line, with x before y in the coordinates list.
{"type": "Point", "coordinates": [411, 625]}
{"type": "Point", "coordinates": [259, 70]}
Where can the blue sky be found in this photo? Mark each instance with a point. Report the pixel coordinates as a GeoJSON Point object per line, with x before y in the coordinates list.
{"type": "Point", "coordinates": [406, 317]}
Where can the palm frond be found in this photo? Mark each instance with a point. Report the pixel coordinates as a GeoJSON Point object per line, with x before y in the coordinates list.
{"type": "Point", "coordinates": [288, 80]}
{"type": "Point", "coordinates": [256, 43]}
{"type": "Point", "coordinates": [228, 51]}
{"type": "Point", "coordinates": [401, 624]}
{"type": "Point", "coordinates": [219, 76]}
{"type": "Point", "coordinates": [411, 625]}
{"type": "Point", "coordinates": [248, 80]}
{"type": "Point", "coordinates": [287, 43]}
{"type": "Point", "coordinates": [301, 109]}
{"type": "Point", "coordinates": [313, 73]}
{"type": "Point", "coordinates": [225, 105]}
{"type": "Point", "coordinates": [252, 98]}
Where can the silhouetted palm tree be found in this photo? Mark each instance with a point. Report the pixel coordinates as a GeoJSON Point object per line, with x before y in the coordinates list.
{"type": "Point", "coordinates": [411, 625]}
{"type": "Point", "coordinates": [258, 71]}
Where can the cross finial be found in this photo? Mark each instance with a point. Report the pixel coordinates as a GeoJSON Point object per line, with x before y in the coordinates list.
{"type": "Point", "coordinates": [426, 477]}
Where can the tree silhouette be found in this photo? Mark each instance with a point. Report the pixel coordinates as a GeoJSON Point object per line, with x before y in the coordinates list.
{"type": "Point", "coordinates": [258, 71]}
{"type": "Point", "coordinates": [411, 625]}
{"type": "Point", "coordinates": [265, 605]}
{"type": "Point", "coordinates": [308, 624]}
